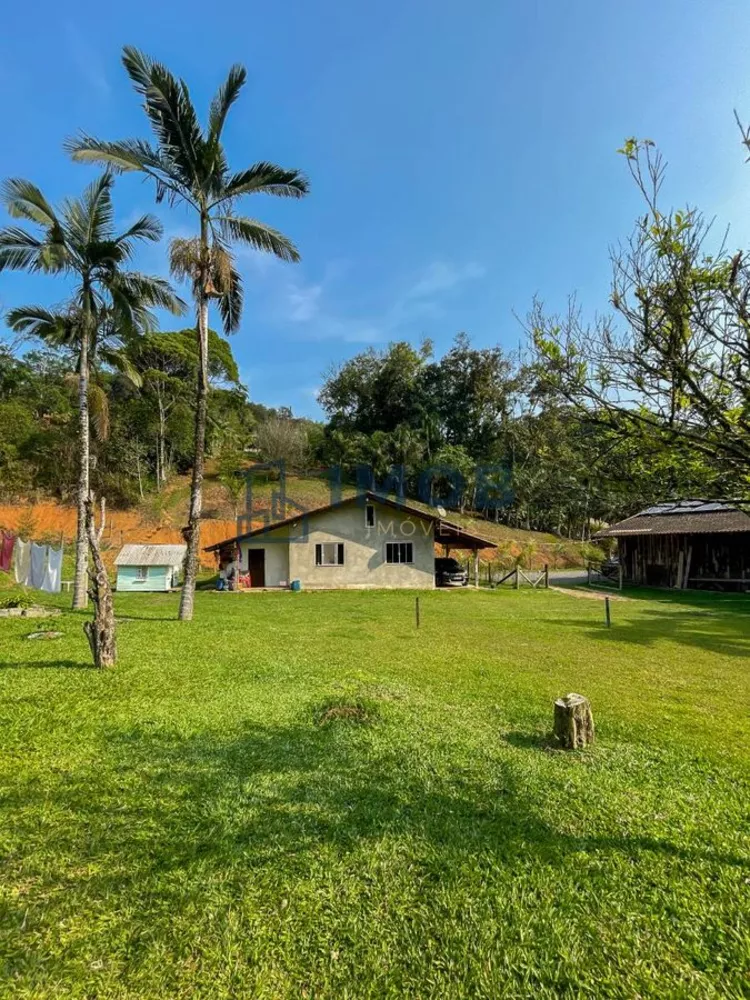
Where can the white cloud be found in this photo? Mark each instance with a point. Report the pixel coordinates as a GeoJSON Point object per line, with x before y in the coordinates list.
{"type": "Point", "coordinates": [441, 276]}
{"type": "Point", "coordinates": [308, 305]}
{"type": "Point", "coordinates": [303, 302]}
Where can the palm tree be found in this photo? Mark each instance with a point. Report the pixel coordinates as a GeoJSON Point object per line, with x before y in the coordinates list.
{"type": "Point", "coordinates": [188, 165]}
{"type": "Point", "coordinates": [80, 241]}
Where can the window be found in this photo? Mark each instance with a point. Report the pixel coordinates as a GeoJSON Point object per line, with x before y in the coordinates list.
{"type": "Point", "coordinates": [399, 552]}
{"type": "Point", "coordinates": [329, 554]}
{"type": "Point", "coordinates": [370, 516]}
{"type": "Point", "coordinates": [141, 573]}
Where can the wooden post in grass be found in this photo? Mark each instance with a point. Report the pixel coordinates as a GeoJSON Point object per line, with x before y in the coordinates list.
{"type": "Point", "coordinates": [607, 613]}
{"type": "Point", "coordinates": [574, 723]}
{"type": "Point", "coordinates": [546, 576]}
{"type": "Point", "coordinates": [416, 608]}
{"type": "Point", "coordinates": [516, 583]}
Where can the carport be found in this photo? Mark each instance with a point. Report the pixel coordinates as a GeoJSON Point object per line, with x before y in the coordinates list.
{"type": "Point", "coordinates": [452, 536]}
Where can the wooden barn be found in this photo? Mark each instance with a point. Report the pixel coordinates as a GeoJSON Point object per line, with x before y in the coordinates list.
{"type": "Point", "coordinates": [685, 544]}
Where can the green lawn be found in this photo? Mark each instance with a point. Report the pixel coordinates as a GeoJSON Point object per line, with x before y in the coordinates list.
{"type": "Point", "coordinates": [190, 825]}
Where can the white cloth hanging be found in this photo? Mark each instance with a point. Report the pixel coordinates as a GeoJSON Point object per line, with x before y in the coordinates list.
{"type": "Point", "coordinates": [22, 562]}
{"type": "Point", "coordinates": [38, 565]}
{"type": "Point", "coordinates": [53, 576]}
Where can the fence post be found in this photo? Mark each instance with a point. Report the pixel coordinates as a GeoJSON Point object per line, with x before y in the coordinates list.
{"type": "Point", "coordinates": [517, 584]}
{"type": "Point", "coordinates": [416, 608]}
{"type": "Point", "coordinates": [607, 612]}
{"type": "Point", "coordinates": [546, 576]}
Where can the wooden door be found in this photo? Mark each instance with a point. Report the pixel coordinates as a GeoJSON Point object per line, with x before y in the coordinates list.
{"type": "Point", "coordinates": [256, 565]}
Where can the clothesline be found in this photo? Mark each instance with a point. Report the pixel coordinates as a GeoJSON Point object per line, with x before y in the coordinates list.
{"type": "Point", "coordinates": [34, 565]}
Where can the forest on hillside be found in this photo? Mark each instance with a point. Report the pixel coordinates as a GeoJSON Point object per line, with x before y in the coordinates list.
{"type": "Point", "coordinates": [474, 428]}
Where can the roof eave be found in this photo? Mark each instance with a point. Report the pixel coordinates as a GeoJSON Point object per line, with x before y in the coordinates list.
{"type": "Point", "coordinates": [477, 540]}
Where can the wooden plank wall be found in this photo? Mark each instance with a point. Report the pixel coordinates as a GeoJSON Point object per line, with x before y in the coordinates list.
{"type": "Point", "coordinates": [681, 561]}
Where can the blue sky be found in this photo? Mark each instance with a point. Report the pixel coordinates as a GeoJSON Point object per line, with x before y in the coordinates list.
{"type": "Point", "coordinates": [462, 156]}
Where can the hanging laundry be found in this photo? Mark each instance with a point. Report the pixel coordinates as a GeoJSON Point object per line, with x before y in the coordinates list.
{"type": "Point", "coordinates": [38, 565]}
{"type": "Point", "coordinates": [22, 562]}
{"type": "Point", "coordinates": [53, 577]}
{"type": "Point", "coordinates": [7, 542]}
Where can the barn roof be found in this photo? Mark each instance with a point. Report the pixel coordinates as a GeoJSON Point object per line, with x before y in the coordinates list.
{"type": "Point", "coordinates": [150, 555]}
{"type": "Point", "coordinates": [682, 517]}
{"type": "Point", "coordinates": [445, 531]}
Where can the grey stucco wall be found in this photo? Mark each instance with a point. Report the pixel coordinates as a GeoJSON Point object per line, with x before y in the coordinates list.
{"type": "Point", "coordinates": [364, 550]}
{"type": "Point", "coordinates": [290, 551]}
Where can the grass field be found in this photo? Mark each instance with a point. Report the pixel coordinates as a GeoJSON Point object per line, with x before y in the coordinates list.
{"type": "Point", "coordinates": [200, 823]}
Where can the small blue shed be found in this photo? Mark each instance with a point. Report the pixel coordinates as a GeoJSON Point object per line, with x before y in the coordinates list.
{"type": "Point", "coordinates": [149, 567]}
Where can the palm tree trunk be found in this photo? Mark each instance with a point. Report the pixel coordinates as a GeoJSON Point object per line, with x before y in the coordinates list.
{"type": "Point", "coordinates": [80, 587]}
{"type": "Point", "coordinates": [192, 531]}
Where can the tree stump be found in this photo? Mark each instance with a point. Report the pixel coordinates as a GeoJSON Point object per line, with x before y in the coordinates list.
{"type": "Point", "coordinates": [574, 723]}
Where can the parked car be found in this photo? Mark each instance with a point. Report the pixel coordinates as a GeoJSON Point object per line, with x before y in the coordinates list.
{"type": "Point", "coordinates": [450, 573]}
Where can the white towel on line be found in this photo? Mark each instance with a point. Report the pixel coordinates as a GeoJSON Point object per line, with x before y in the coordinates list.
{"type": "Point", "coordinates": [52, 578]}
{"type": "Point", "coordinates": [38, 565]}
{"type": "Point", "coordinates": [22, 562]}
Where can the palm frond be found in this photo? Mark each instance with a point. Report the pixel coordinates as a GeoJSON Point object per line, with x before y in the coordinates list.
{"type": "Point", "coordinates": [58, 328]}
{"type": "Point", "coordinates": [257, 235]}
{"type": "Point", "coordinates": [89, 219]}
{"type": "Point", "coordinates": [121, 363]}
{"type": "Point", "coordinates": [24, 200]}
{"type": "Point", "coordinates": [230, 302]}
{"type": "Point", "coordinates": [19, 250]}
{"type": "Point", "coordinates": [99, 411]}
{"type": "Point", "coordinates": [147, 227]}
{"type": "Point", "coordinates": [225, 97]}
{"type": "Point", "coordinates": [150, 291]}
{"type": "Point", "coordinates": [130, 314]}
{"type": "Point", "coordinates": [171, 113]}
{"type": "Point", "coordinates": [265, 178]}
{"type": "Point", "coordinates": [128, 155]}
{"type": "Point", "coordinates": [97, 205]}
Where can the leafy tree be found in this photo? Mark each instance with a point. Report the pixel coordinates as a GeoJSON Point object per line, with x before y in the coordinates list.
{"type": "Point", "coordinates": [378, 390]}
{"type": "Point", "coordinates": [108, 300]}
{"type": "Point", "coordinates": [168, 364]}
{"type": "Point", "coordinates": [281, 439]}
{"type": "Point", "coordinates": [188, 165]}
{"type": "Point", "coordinates": [678, 365]}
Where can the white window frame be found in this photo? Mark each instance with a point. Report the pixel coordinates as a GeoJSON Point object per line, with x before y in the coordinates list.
{"type": "Point", "coordinates": [141, 574]}
{"type": "Point", "coordinates": [335, 553]}
{"type": "Point", "coordinates": [369, 515]}
{"type": "Point", "coordinates": [399, 553]}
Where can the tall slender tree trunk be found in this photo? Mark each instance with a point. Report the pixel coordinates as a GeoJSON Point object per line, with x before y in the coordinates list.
{"type": "Point", "coordinates": [192, 531]}
{"type": "Point", "coordinates": [80, 587]}
{"type": "Point", "coordinates": [161, 475]}
{"type": "Point", "coordinates": [101, 632]}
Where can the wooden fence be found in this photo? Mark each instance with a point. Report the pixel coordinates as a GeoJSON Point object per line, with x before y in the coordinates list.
{"type": "Point", "coordinates": [518, 577]}
{"type": "Point", "coordinates": [605, 575]}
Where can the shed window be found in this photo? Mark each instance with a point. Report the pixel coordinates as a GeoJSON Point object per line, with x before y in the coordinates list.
{"type": "Point", "coordinates": [329, 554]}
{"type": "Point", "coordinates": [370, 516]}
{"type": "Point", "coordinates": [141, 573]}
{"type": "Point", "coordinates": [399, 552]}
